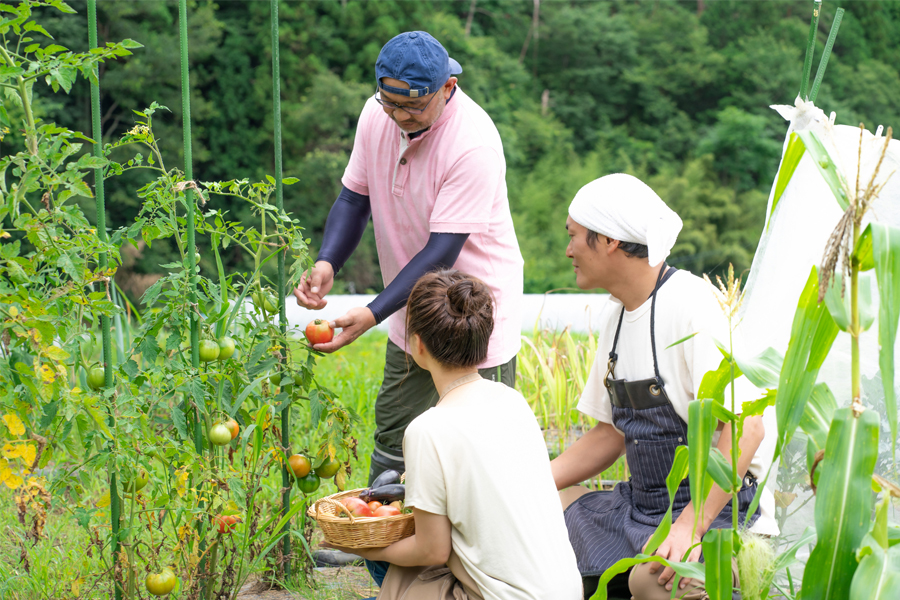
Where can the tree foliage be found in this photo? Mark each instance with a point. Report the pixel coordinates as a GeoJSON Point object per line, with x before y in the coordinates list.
{"type": "Point", "coordinates": [674, 92]}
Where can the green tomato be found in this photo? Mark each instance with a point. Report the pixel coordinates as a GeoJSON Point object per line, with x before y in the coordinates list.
{"type": "Point", "coordinates": [298, 378]}
{"type": "Point", "coordinates": [309, 483]}
{"type": "Point", "coordinates": [137, 483]}
{"type": "Point", "coordinates": [96, 378]}
{"type": "Point", "coordinates": [209, 350]}
{"type": "Point", "coordinates": [265, 302]}
{"type": "Point", "coordinates": [160, 584]}
{"type": "Point", "coordinates": [226, 347]}
{"type": "Point", "coordinates": [275, 378]}
{"type": "Point", "coordinates": [219, 434]}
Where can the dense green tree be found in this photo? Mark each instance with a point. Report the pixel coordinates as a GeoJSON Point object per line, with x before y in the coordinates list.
{"type": "Point", "coordinates": [676, 92]}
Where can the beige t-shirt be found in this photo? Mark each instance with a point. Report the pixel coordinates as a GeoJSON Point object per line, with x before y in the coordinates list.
{"type": "Point", "coordinates": [479, 458]}
{"type": "Point", "coordinates": [685, 304]}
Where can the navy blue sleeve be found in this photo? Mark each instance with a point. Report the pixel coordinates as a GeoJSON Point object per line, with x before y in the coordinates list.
{"type": "Point", "coordinates": [345, 226]}
{"type": "Point", "coordinates": [440, 252]}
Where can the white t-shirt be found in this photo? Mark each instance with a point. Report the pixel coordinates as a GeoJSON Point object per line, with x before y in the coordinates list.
{"type": "Point", "coordinates": [685, 304]}
{"type": "Point", "coordinates": [479, 458]}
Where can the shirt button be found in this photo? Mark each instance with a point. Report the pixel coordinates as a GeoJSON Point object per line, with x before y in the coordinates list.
{"type": "Point", "coordinates": [637, 441]}
{"type": "Point", "coordinates": [402, 161]}
{"type": "Point", "coordinates": [680, 439]}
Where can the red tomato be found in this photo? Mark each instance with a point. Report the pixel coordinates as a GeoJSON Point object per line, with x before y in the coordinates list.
{"type": "Point", "coordinates": [319, 332]}
{"type": "Point", "coordinates": [386, 511]}
{"type": "Point", "coordinates": [226, 523]}
{"type": "Point", "coordinates": [357, 507]}
{"type": "Point", "coordinates": [375, 505]}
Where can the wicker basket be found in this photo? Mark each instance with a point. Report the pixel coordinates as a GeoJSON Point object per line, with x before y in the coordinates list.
{"type": "Point", "coordinates": [358, 532]}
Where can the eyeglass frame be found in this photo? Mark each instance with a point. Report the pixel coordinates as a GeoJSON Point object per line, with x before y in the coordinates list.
{"type": "Point", "coordinates": [407, 109]}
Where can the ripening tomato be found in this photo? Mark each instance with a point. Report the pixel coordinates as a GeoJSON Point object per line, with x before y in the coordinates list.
{"type": "Point", "coordinates": [319, 332]}
{"type": "Point", "coordinates": [327, 467]}
{"type": "Point", "coordinates": [96, 378]}
{"type": "Point", "coordinates": [219, 434]}
{"type": "Point", "coordinates": [300, 465]}
{"type": "Point", "coordinates": [160, 584]}
{"type": "Point", "coordinates": [233, 427]}
{"type": "Point", "coordinates": [375, 505]}
{"type": "Point", "coordinates": [226, 347]}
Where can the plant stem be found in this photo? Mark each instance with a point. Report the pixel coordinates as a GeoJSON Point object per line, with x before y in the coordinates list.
{"type": "Point", "coordinates": [30, 135]}
{"type": "Point", "coordinates": [854, 322]}
{"type": "Point", "coordinates": [735, 480]}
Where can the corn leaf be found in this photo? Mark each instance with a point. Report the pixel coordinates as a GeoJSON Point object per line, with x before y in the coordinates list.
{"type": "Point", "coordinates": [886, 252]}
{"type": "Point", "coordinates": [862, 253]}
{"type": "Point", "coordinates": [826, 167]}
{"type": "Point", "coordinates": [714, 383]}
{"type": "Point", "coordinates": [763, 369]}
{"type": "Point", "coordinates": [720, 469]}
{"type": "Point", "coordinates": [812, 333]}
{"type": "Point", "coordinates": [843, 505]}
{"type": "Point", "coordinates": [693, 570]}
{"type": "Point", "coordinates": [701, 425]}
{"type": "Point", "coordinates": [718, 545]}
{"type": "Point", "coordinates": [792, 155]}
{"type": "Point", "coordinates": [817, 415]}
{"type": "Point", "coordinates": [837, 299]}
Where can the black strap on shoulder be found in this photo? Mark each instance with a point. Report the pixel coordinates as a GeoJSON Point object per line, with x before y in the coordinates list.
{"type": "Point", "coordinates": [664, 274]}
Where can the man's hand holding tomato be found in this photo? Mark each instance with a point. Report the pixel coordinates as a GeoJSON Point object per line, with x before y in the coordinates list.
{"type": "Point", "coordinates": [314, 285]}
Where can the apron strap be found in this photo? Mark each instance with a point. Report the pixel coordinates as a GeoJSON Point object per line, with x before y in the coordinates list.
{"type": "Point", "coordinates": [664, 273]}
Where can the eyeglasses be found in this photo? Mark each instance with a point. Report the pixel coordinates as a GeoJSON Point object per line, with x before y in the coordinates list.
{"type": "Point", "coordinates": [408, 109]}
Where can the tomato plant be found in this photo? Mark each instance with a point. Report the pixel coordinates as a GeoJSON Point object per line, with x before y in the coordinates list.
{"type": "Point", "coordinates": [319, 331]}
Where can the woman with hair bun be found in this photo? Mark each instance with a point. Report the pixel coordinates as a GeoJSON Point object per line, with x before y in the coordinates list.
{"type": "Point", "coordinates": [489, 523]}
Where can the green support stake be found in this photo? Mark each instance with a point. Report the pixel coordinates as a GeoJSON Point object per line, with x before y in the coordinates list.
{"type": "Point", "coordinates": [823, 63]}
{"type": "Point", "coordinates": [191, 243]}
{"type": "Point", "coordinates": [282, 317]}
{"type": "Point", "coordinates": [810, 48]}
{"type": "Point", "coordinates": [115, 507]}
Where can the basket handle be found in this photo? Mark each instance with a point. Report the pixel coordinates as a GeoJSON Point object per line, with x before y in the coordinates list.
{"type": "Point", "coordinates": [340, 506]}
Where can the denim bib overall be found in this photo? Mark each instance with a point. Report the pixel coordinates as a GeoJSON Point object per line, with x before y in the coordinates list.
{"type": "Point", "coordinates": [607, 526]}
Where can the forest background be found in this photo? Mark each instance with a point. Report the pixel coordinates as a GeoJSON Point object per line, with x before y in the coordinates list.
{"type": "Point", "coordinates": [676, 93]}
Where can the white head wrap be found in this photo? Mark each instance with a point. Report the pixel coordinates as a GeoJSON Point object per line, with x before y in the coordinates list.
{"type": "Point", "coordinates": [624, 208]}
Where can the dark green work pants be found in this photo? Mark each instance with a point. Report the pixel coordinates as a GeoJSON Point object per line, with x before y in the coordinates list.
{"type": "Point", "coordinates": [407, 392]}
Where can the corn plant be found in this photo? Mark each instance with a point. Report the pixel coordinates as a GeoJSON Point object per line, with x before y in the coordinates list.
{"type": "Point", "coordinates": [551, 370]}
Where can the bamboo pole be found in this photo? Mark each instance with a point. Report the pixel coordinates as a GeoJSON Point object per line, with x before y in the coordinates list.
{"type": "Point", "coordinates": [810, 48]}
{"type": "Point", "coordinates": [191, 243]}
{"type": "Point", "coordinates": [282, 317]}
{"type": "Point", "coordinates": [99, 192]}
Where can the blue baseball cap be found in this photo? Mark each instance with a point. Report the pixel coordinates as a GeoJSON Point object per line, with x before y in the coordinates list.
{"type": "Point", "coordinates": [418, 59]}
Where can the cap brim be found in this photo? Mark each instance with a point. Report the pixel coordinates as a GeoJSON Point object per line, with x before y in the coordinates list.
{"type": "Point", "coordinates": [455, 68]}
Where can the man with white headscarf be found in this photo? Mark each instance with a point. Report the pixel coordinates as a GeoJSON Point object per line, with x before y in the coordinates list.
{"type": "Point", "coordinates": [639, 389]}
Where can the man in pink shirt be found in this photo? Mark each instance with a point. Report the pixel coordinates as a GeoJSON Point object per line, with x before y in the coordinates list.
{"type": "Point", "coordinates": [428, 167]}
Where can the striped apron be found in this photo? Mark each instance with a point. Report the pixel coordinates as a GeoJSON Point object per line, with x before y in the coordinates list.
{"type": "Point", "coordinates": [607, 526]}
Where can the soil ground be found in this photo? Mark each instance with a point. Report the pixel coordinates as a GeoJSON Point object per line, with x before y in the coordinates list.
{"type": "Point", "coordinates": [341, 583]}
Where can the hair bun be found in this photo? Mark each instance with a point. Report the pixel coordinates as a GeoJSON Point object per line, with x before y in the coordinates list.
{"type": "Point", "coordinates": [460, 298]}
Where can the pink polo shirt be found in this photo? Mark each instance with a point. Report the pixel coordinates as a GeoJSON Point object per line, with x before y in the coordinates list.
{"type": "Point", "coordinates": [450, 179]}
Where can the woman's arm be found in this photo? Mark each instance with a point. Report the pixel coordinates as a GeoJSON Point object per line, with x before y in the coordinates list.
{"type": "Point", "coordinates": [430, 545]}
